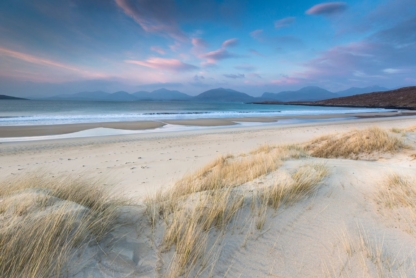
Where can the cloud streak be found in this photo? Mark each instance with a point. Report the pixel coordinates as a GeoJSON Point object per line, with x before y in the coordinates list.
{"type": "Point", "coordinates": [327, 8]}
{"type": "Point", "coordinates": [213, 57]}
{"type": "Point", "coordinates": [158, 49]}
{"type": "Point", "coordinates": [235, 76]}
{"type": "Point", "coordinates": [153, 16]}
{"type": "Point", "coordinates": [284, 22]}
{"type": "Point", "coordinates": [164, 64]}
{"type": "Point", "coordinates": [230, 43]}
{"type": "Point", "coordinates": [45, 62]}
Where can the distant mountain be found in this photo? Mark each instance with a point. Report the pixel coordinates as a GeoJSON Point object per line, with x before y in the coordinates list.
{"type": "Point", "coordinates": [161, 94]}
{"type": "Point", "coordinates": [142, 95]}
{"type": "Point", "coordinates": [164, 94]}
{"type": "Point", "coordinates": [311, 93]}
{"type": "Point", "coordinates": [357, 91]}
{"type": "Point", "coordinates": [120, 96]}
{"type": "Point", "coordinates": [11, 98]}
{"type": "Point", "coordinates": [226, 95]}
{"type": "Point", "coordinates": [400, 98]}
{"type": "Point", "coordinates": [85, 96]}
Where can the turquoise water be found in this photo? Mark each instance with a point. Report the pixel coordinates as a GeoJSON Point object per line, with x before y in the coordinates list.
{"type": "Point", "coordinates": [18, 112]}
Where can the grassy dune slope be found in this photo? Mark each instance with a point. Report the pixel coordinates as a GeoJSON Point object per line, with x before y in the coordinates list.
{"type": "Point", "coordinates": [275, 211]}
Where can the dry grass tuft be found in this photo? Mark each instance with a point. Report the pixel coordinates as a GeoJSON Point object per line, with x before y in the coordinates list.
{"type": "Point", "coordinates": [208, 201]}
{"type": "Point", "coordinates": [43, 219]}
{"type": "Point", "coordinates": [355, 144]}
{"type": "Point", "coordinates": [304, 181]}
{"type": "Point", "coordinates": [398, 191]}
{"type": "Point", "coordinates": [229, 171]}
{"type": "Point", "coordinates": [411, 129]}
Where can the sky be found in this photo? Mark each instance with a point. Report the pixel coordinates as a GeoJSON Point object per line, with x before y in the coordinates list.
{"type": "Point", "coordinates": [50, 47]}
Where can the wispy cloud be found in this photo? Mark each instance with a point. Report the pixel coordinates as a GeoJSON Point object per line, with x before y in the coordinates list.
{"type": "Point", "coordinates": [230, 43]}
{"type": "Point", "coordinates": [199, 45]}
{"type": "Point", "coordinates": [327, 8]}
{"type": "Point", "coordinates": [217, 55]}
{"type": "Point", "coordinates": [284, 22]}
{"type": "Point", "coordinates": [255, 52]}
{"type": "Point", "coordinates": [245, 67]}
{"type": "Point", "coordinates": [164, 64]}
{"type": "Point", "coordinates": [153, 16]}
{"type": "Point", "coordinates": [46, 62]}
{"type": "Point", "coordinates": [213, 57]}
{"type": "Point", "coordinates": [158, 49]}
{"type": "Point", "coordinates": [235, 76]}
{"type": "Point", "coordinates": [257, 34]}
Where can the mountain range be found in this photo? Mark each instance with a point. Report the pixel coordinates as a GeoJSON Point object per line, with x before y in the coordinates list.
{"type": "Point", "coordinates": [311, 93]}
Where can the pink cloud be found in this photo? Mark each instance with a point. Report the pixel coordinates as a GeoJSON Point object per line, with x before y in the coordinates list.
{"type": "Point", "coordinates": [327, 8]}
{"type": "Point", "coordinates": [214, 56]}
{"type": "Point", "coordinates": [230, 43]}
{"type": "Point", "coordinates": [200, 43]}
{"type": "Point", "coordinates": [158, 49]}
{"type": "Point", "coordinates": [257, 34]}
{"type": "Point", "coordinates": [153, 16]}
{"type": "Point", "coordinates": [199, 46]}
{"type": "Point", "coordinates": [284, 22]}
{"type": "Point", "coordinates": [46, 62]}
{"type": "Point", "coordinates": [286, 80]}
{"type": "Point", "coordinates": [220, 54]}
{"type": "Point", "coordinates": [34, 60]}
{"type": "Point", "coordinates": [164, 64]}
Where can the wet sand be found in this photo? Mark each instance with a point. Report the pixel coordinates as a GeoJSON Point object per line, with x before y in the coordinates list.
{"type": "Point", "coordinates": [42, 130]}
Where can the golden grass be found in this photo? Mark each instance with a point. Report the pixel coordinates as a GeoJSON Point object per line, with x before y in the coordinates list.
{"type": "Point", "coordinates": [211, 198]}
{"type": "Point", "coordinates": [411, 129]}
{"type": "Point", "coordinates": [43, 219]}
{"type": "Point", "coordinates": [398, 191]}
{"type": "Point", "coordinates": [304, 181]}
{"type": "Point", "coordinates": [355, 144]}
{"type": "Point", "coordinates": [229, 171]}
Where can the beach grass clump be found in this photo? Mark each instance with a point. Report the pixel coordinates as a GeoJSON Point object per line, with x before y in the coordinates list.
{"type": "Point", "coordinates": [304, 181]}
{"type": "Point", "coordinates": [202, 203]}
{"type": "Point", "coordinates": [398, 191]}
{"type": "Point", "coordinates": [44, 220]}
{"type": "Point", "coordinates": [229, 171]}
{"type": "Point", "coordinates": [355, 144]}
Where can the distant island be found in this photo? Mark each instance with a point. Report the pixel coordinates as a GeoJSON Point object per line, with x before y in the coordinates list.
{"type": "Point", "coordinates": [403, 98]}
{"type": "Point", "coordinates": [5, 97]}
{"type": "Point", "coordinates": [306, 94]}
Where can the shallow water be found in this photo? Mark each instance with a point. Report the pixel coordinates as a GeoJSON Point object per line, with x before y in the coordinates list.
{"type": "Point", "coordinates": [31, 112]}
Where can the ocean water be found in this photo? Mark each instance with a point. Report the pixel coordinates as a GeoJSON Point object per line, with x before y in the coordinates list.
{"type": "Point", "coordinates": [26, 112]}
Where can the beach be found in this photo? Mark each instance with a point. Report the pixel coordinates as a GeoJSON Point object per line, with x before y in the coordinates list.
{"type": "Point", "coordinates": [143, 163]}
{"type": "Point", "coordinates": [291, 207]}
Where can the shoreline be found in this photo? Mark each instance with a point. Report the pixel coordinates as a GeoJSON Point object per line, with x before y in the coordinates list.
{"type": "Point", "coordinates": [61, 129]}
{"type": "Point", "coordinates": [135, 162]}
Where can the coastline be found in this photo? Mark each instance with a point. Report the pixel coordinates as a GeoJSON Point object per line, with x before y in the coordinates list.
{"type": "Point", "coordinates": [60, 129]}
{"type": "Point", "coordinates": [135, 162]}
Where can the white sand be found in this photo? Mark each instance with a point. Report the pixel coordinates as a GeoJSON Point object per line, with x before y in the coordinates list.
{"type": "Point", "coordinates": [143, 163]}
{"type": "Point", "coordinates": [307, 239]}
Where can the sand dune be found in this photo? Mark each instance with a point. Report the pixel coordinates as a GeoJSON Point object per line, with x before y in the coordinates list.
{"type": "Point", "coordinates": [273, 205]}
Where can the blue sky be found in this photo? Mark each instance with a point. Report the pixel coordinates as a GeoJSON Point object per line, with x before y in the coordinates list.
{"type": "Point", "coordinates": [191, 46]}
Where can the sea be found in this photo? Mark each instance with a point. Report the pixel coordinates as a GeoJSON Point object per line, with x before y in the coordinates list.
{"type": "Point", "coordinates": [48, 112]}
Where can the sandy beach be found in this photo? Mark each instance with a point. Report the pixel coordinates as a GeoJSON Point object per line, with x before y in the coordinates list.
{"type": "Point", "coordinates": [335, 231]}
{"type": "Point", "coordinates": [42, 130]}
{"type": "Point", "coordinates": [143, 163]}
